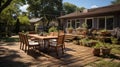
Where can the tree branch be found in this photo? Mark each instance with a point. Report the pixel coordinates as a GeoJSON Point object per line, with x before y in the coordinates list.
{"type": "Point", "coordinates": [5, 5]}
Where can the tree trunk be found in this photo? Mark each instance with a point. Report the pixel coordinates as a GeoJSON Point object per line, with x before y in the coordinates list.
{"type": "Point", "coordinates": [7, 3]}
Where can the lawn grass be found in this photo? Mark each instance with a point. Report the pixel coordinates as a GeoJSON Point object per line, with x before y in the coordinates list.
{"type": "Point", "coordinates": [116, 49]}
{"type": "Point", "coordinates": [103, 63]}
{"type": "Point", "coordinates": [9, 39]}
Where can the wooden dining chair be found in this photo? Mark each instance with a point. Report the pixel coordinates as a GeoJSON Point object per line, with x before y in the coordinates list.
{"type": "Point", "coordinates": [21, 41]}
{"type": "Point", "coordinates": [58, 44]}
{"type": "Point", "coordinates": [56, 34]}
{"type": "Point", "coordinates": [29, 44]}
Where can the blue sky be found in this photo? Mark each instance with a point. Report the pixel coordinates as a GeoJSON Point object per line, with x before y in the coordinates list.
{"type": "Point", "coordinates": [89, 3]}
{"type": "Point", "coordinates": [82, 3]}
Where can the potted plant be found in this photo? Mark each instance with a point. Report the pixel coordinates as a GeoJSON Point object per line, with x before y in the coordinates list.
{"type": "Point", "coordinates": [105, 32]}
{"type": "Point", "coordinates": [84, 25]}
{"type": "Point", "coordinates": [106, 49]}
{"type": "Point", "coordinates": [52, 29]}
{"type": "Point", "coordinates": [84, 41]}
{"type": "Point", "coordinates": [70, 29]}
{"type": "Point", "coordinates": [92, 43]}
{"type": "Point", "coordinates": [96, 51]}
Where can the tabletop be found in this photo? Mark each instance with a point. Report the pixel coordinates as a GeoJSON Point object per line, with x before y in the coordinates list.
{"type": "Point", "coordinates": [42, 37]}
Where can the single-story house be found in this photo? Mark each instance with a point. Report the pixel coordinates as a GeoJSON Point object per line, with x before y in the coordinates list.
{"type": "Point", "coordinates": [107, 17]}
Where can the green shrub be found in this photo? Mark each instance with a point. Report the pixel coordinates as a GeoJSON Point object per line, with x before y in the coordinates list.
{"type": "Point", "coordinates": [114, 40]}
{"type": "Point", "coordinates": [97, 45]}
{"type": "Point", "coordinates": [84, 25]}
{"type": "Point", "coordinates": [53, 29]}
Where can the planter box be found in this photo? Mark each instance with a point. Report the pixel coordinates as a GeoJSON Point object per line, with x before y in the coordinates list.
{"type": "Point", "coordinates": [96, 51]}
{"type": "Point", "coordinates": [106, 51]}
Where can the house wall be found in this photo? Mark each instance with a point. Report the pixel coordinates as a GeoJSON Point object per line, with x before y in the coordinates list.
{"type": "Point", "coordinates": [81, 21]}
{"type": "Point", "coordinates": [116, 21]}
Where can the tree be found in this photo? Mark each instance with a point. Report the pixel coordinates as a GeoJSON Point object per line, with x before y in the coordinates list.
{"type": "Point", "coordinates": [45, 8]}
{"type": "Point", "coordinates": [22, 20]}
{"type": "Point", "coordinates": [10, 12]}
{"type": "Point", "coordinates": [48, 9]}
{"type": "Point", "coordinates": [69, 8]}
{"type": "Point", "coordinates": [116, 2]}
{"type": "Point", "coordinates": [4, 4]}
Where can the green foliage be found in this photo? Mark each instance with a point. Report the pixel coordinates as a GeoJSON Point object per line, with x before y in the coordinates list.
{"type": "Point", "coordinates": [7, 14]}
{"type": "Point", "coordinates": [48, 9]}
{"type": "Point", "coordinates": [97, 45]}
{"type": "Point", "coordinates": [53, 29]}
{"type": "Point", "coordinates": [115, 2]}
{"type": "Point", "coordinates": [114, 40]}
{"type": "Point", "coordinates": [69, 8]}
{"type": "Point", "coordinates": [45, 8]}
{"type": "Point", "coordinates": [106, 64]}
{"type": "Point", "coordinates": [84, 25]}
{"type": "Point", "coordinates": [24, 19]}
{"type": "Point", "coordinates": [104, 30]}
{"type": "Point", "coordinates": [9, 39]}
{"type": "Point", "coordinates": [116, 49]}
{"type": "Point", "coordinates": [106, 45]}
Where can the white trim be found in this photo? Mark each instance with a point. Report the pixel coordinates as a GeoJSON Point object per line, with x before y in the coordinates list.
{"type": "Point", "coordinates": [105, 22]}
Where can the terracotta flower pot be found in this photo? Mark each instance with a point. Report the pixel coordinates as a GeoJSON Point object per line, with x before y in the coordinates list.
{"type": "Point", "coordinates": [70, 30]}
{"type": "Point", "coordinates": [96, 52]}
{"type": "Point", "coordinates": [106, 51]}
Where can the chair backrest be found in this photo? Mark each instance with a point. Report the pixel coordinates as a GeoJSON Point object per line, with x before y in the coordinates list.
{"type": "Point", "coordinates": [60, 39]}
{"type": "Point", "coordinates": [25, 38]}
{"type": "Point", "coordinates": [20, 36]}
{"type": "Point", "coordinates": [61, 32]}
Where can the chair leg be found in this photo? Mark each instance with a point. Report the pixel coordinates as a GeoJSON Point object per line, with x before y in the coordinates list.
{"type": "Point", "coordinates": [64, 46]}
{"type": "Point", "coordinates": [28, 51]}
{"type": "Point", "coordinates": [48, 49]}
{"type": "Point", "coordinates": [62, 50]}
{"type": "Point", "coordinates": [20, 45]}
{"type": "Point", "coordinates": [25, 48]}
{"type": "Point", "coordinates": [56, 51]}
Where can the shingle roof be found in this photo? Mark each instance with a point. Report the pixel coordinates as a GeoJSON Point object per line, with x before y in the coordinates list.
{"type": "Point", "coordinates": [112, 9]}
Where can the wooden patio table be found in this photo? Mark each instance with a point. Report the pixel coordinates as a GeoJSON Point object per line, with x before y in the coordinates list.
{"type": "Point", "coordinates": [44, 38]}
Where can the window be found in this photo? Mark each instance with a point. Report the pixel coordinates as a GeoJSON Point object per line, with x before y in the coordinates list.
{"type": "Point", "coordinates": [73, 24]}
{"type": "Point", "coordinates": [102, 23]}
{"type": "Point", "coordinates": [68, 24]}
{"type": "Point", "coordinates": [77, 23]}
{"type": "Point", "coordinates": [109, 23]}
{"type": "Point", "coordinates": [89, 23]}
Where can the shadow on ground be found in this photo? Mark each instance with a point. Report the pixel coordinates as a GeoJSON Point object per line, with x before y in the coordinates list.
{"type": "Point", "coordinates": [7, 58]}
